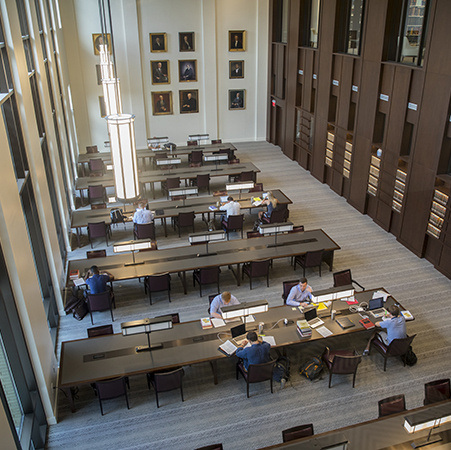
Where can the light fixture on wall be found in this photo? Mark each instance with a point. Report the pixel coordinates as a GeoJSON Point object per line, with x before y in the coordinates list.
{"type": "Point", "coordinates": [121, 126]}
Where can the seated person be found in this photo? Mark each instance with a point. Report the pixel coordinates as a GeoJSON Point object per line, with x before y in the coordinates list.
{"type": "Point", "coordinates": [271, 202]}
{"type": "Point", "coordinates": [300, 295]}
{"type": "Point", "coordinates": [257, 353]}
{"type": "Point", "coordinates": [232, 208]}
{"type": "Point", "coordinates": [97, 282]}
{"type": "Point", "coordinates": [142, 215]}
{"type": "Point", "coordinates": [224, 299]}
{"type": "Point", "coordinates": [394, 327]}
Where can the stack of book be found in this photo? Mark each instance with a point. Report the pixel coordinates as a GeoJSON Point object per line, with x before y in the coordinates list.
{"type": "Point", "coordinates": [303, 328]}
{"type": "Point", "coordinates": [206, 323]}
{"type": "Point", "coordinates": [74, 274]}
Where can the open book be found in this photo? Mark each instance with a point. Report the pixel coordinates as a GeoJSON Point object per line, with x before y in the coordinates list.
{"type": "Point", "coordinates": [228, 347]}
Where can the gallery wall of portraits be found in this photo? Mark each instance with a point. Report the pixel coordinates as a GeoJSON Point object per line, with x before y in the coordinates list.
{"type": "Point", "coordinates": [186, 66]}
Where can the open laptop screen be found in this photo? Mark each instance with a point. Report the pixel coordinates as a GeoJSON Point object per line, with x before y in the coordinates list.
{"type": "Point", "coordinates": [376, 303]}
{"type": "Point", "coordinates": [310, 314]}
{"type": "Point", "coordinates": [238, 330]}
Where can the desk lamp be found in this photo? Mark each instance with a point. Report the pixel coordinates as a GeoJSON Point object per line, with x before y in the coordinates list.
{"type": "Point", "coordinates": [156, 142]}
{"type": "Point", "coordinates": [275, 228]}
{"type": "Point", "coordinates": [198, 137]}
{"type": "Point", "coordinates": [240, 186]}
{"type": "Point", "coordinates": [216, 158]}
{"type": "Point", "coordinates": [183, 191]}
{"type": "Point", "coordinates": [132, 246]}
{"type": "Point", "coordinates": [146, 326]}
{"type": "Point", "coordinates": [207, 236]}
{"type": "Point", "coordinates": [244, 309]}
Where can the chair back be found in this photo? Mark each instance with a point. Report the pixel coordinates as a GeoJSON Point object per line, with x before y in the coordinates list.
{"type": "Point", "coordinates": [260, 372]}
{"type": "Point", "coordinates": [298, 432]}
{"type": "Point", "coordinates": [186, 219]}
{"type": "Point", "coordinates": [97, 229]}
{"type": "Point", "coordinates": [96, 254]}
{"type": "Point", "coordinates": [145, 231]}
{"type": "Point", "coordinates": [98, 206]}
{"type": "Point", "coordinates": [235, 222]}
{"type": "Point", "coordinates": [216, 141]}
{"type": "Point", "coordinates": [196, 156]}
{"type": "Point", "coordinates": [96, 165]}
{"type": "Point", "coordinates": [157, 283]}
{"type": "Point", "coordinates": [168, 381]}
{"type": "Point", "coordinates": [313, 259]}
{"type": "Point", "coordinates": [342, 278]}
{"type": "Point", "coordinates": [173, 183]}
{"type": "Point", "coordinates": [287, 286]}
{"type": "Point", "coordinates": [345, 364]}
{"type": "Point", "coordinates": [208, 275]}
{"type": "Point", "coordinates": [259, 268]}
{"type": "Point", "coordinates": [102, 330]}
{"type": "Point", "coordinates": [111, 388]}
{"type": "Point", "coordinates": [190, 143]}
{"type": "Point", "coordinates": [92, 149]}
{"type": "Point", "coordinates": [203, 180]}
{"type": "Point", "coordinates": [253, 234]}
{"type": "Point", "coordinates": [399, 347]}
{"type": "Point", "coordinates": [247, 176]}
{"type": "Point", "coordinates": [99, 302]}
{"type": "Point", "coordinates": [210, 299]}
{"type": "Point", "coordinates": [258, 187]}
{"type": "Point", "coordinates": [96, 192]}
{"type": "Point", "coordinates": [392, 405]}
{"type": "Point", "coordinates": [437, 391]}
{"type": "Point", "coordinates": [279, 215]}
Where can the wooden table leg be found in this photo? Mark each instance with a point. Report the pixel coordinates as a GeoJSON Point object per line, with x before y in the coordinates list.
{"type": "Point", "coordinates": [163, 219]}
{"type": "Point", "coordinates": [184, 282]}
{"type": "Point", "coordinates": [214, 369]}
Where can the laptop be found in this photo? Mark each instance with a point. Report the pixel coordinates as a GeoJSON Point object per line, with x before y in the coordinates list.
{"type": "Point", "coordinates": [312, 318]}
{"type": "Point", "coordinates": [238, 334]}
{"type": "Point", "coordinates": [375, 307]}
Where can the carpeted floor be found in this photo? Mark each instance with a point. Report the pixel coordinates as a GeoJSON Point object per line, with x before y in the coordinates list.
{"type": "Point", "coordinates": [222, 413]}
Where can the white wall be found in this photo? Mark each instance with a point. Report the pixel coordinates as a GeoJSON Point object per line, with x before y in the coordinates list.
{"type": "Point", "coordinates": [133, 21]}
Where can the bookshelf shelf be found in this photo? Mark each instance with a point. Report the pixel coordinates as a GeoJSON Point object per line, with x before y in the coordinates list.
{"type": "Point", "coordinates": [330, 145]}
{"type": "Point", "coordinates": [437, 213]}
{"type": "Point", "coordinates": [373, 178]}
{"type": "Point", "coordinates": [347, 156]}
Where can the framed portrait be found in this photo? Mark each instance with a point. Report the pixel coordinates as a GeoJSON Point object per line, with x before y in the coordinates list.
{"type": "Point", "coordinates": [162, 103]}
{"type": "Point", "coordinates": [237, 41]}
{"type": "Point", "coordinates": [236, 69]}
{"type": "Point", "coordinates": [186, 41]}
{"type": "Point", "coordinates": [97, 41]}
{"type": "Point", "coordinates": [102, 107]}
{"type": "Point", "coordinates": [158, 42]}
{"type": "Point", "coordinates": [160, 72]}
{"type": "Point", "coordinates": [189, 101]}
{"type": "Point", "coordinates": [188, 70]}
{"type": "Point", "coordinates": [237, 98]}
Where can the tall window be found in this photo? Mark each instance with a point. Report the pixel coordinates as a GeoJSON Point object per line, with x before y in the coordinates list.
{"type": "Point", "coordinates": [349, 24]}
{"type": "Point", "coordinates": [406, 30]}
{"type": "Point", "coordinates": [309, 23]}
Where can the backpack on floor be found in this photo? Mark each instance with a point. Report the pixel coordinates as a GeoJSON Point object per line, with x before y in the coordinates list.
{"type": "Point", "coordinates": [117, 216]}
{"type": "Point", "coordinates": [410, 359]}
{"type": "Point", "coordinates": [281, 369]}
{"type": "Point", "coordinates": [312, 368]}
{"type": "Point", "coordinates": [76, 304]}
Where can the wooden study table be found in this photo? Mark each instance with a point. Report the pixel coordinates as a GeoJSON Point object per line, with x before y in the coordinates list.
{"type": "Point", "coordinates": [157, 176]}
{"type": "Point", "coordinates": [169, 209]}
{"type": "Point", "coordinates": [223, 253]}
{"type": "Point", "coordinates": [88, 360]}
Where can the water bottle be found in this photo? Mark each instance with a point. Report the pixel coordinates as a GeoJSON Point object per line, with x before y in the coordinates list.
{"type": "Point", "coordinates": [260, 327]}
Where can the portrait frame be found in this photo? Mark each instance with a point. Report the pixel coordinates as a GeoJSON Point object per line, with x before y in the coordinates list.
{"type": "Point", "coordinates": [164, 68]}
{"type": "Point", "coordinates": [232, 66]}
{"type": "Point", "coordinates": [154, 38]}
{"type": "Point", "coordinates": [183, 97]}
{"type": "Point", "coordinates": [190, 39]}
{"type": "Point", "coordinates": [183, 67]}
{"type": "Point", "coordinates": [96, 42]}
{"type": "Point", "coordinates": [167, 98]}
{"type": "Point", "coordinates": [241, 35]}
{"type": "Point", "coordinates": [102, 106]}
{"type": "Point", "coordinates": [232, 97]}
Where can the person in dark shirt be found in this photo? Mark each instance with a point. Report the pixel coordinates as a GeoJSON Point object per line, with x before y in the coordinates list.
{"type": "Point", "coordinates": [97, 282]}
{"type": "Point", "coordinates": [257, 353]}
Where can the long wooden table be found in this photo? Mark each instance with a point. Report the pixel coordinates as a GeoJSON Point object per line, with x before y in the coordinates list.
{"type": "Point", "coordinates": [168, 209]}
{"type": "Point", "coordinates": [88, 360]}
{"type": "Point", "coordinates": [225, 253]}
{"type": "Point", "coordinates": [157, 176]}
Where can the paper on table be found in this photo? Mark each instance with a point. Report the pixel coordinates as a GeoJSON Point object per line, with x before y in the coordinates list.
{"type": "Point", "coordinates": [323, 331]}
{"type": "Point", "coordinates": [217, 322]}
{"type": "Point", "coordinates": [382, 294]}
{"type": "Point", "coordinates": [270, 340]}
{"type": "Point", "coordinates": [228, 347]}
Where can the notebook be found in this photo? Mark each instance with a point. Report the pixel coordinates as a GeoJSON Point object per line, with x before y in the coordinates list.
{"type": "Point", "coordinates": [311, 317]}
{"type": "Point", "coordinates": [344, 322]}
{"type": "Point", "coordinates": [375, 307]}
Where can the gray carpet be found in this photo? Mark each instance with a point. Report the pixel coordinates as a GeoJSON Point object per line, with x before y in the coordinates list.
{"type": "Point", "coordinates": [212, 414]}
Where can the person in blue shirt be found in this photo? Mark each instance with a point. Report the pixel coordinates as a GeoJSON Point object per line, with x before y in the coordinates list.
{"type": "Point", "coordinates": [97, 282]}
{"type": "Point", "coordinates": [300, 295]}
{"type": "Point", "coordinates": [393, 327]}
{"type": "Point", "coordinates": [257, 353]}
{"type": "Point", "coordinates": [224, 299]}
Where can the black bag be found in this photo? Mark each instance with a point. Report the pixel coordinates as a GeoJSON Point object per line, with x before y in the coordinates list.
{"type": "Point", "coordinates": [281, 369]}
{"type": "Point", "coordinates": [117, 216]}
{"type": "Point", "coordinates": [312, 368]}
{"type": "Point", "coordinates": [410, 359]}
{"type": "Point", "coordinates": [76, 304]}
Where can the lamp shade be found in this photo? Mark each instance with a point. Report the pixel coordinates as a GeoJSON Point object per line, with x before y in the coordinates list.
{"type": "Point", "coordinates": [244, 309]}
{"type": "Point", "coordinates": [112, 96]}
{"type": "Point", "coordinates": [123, 149]}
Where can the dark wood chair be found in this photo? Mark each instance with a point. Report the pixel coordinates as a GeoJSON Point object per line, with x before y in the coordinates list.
{"type": "Point", "coordinates": [96, 254]}
{"type": "Point", "coordinates": [96, 194]}
{"type": "Point", "coordinates": [279, 215]}
{"type": "Point", "coordinates": [166, 381]}
{"type": "Point", "coordinates": [392, 405]}
{"type": "Point", "coordinates": [211, 297]}
{"type": "Point", "coordinates": [258, 187]}
{"type": "Point", "coordinates": [102, 330]}
{"type": "Point", "coordinates": [192, 143]}
{"type": "Point", "coordinates": [233, 223]}
{"type": "Point", "coordinates": [158, 283]}
{"type": "Point", "coordinates": [290, 434]}
{"type": "Point", "coordinates": [206, 275]}
{"type": "Point", "coordinates": [98, 229]}
{"type": "Point", "coordinates": [254, 269]}
{"type": "Point", "coordinates": [247, 176]}
{"type": "Point", "coordinates": [341, 362]}
{"type": "Point", "coordinates": [256, 373]}
{"type": "Point", "coordinates": [195, 158]}
{"type": "Point", "coordinates": [170, 183]}
{"type": "Point", "coordinates": [96, 167]}
{"type": "Point", "coordinates": [397, 347]}
{"type": "Point", "coordinates": [437, 391]}
{"type": "Point", "coordinates": [344, 278]}
{"type": "Point", "coordinates": [202, 181]}
{"type": "Point", "coordinates": [99, 302]}
{"type": "Point", "coordinates": [185, 219]}
{"type": "Point", "coordinates": [144, 231]}
{"type": "Point", "coordinates": [253, 234]}
{"type": "Point", "coordinates": [216, 141]}
{"type": "Point", "coordinates": [92, 149]}
{"type": "Point", "coordinates": [108, 389]}
{"type": "Point", "coordinates": [286, 288]}
{"type": "Point", "coordinates": [309, 259]}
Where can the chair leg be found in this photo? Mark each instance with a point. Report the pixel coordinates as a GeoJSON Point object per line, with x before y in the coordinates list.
{"type": "Point", "coordinates": [169, 295]}
{"type": "Point", "coordinates": [304, 271]}
{"type": "Point", "coordinates": [111, 311]}
{"type": "Point", "coordinates": [126, 399]}
{"type": "Point", "coordinates": [385, 363]}
{"type": "Point", "coordinates": [330, 378]}
{"type": "Point", "coordinates": [271, 386]}
{"type": "Point", "coordinates": [150, 298]}
{"type": "Point", "coordinates": [92, 322]}
{"type": "Point", "coordinates": [319, 269]}
{"type": "Point", "coordinates": [267, 279]}
{"type": "Point", "coordinates": [181, 392]}
{"type": "Point", "coordinates": [101, 407]}
{"type": "Point", "coordinates": [248, 388]}
{"type": "Point", "coordinates": [156, 396]}
{"type": "Point", "coordinates": [353, 379]}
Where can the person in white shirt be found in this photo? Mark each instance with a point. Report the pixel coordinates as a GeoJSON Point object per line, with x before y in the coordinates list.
{"type": "Point", "coordinates": [142, 215]}
{"type": "Point", "coordinates": [232, 208]}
